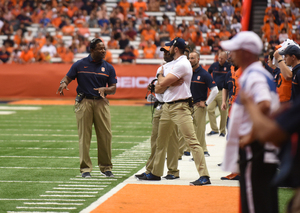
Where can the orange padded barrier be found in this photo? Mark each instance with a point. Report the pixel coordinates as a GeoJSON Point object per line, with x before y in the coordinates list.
{"type": "Point", "coordinates": [42, 81]}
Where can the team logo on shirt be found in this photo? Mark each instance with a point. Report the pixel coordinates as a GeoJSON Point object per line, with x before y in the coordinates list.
{"type": "Point", "coordinates": [103, 69]}
{"type": "Point", "coordinates": [198, 77]}
{"type": "Point", "coordinates": [85, 67]}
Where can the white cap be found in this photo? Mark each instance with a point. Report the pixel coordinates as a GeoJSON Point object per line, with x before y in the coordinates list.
{"type": "Point", "coordinates": [245, 40]}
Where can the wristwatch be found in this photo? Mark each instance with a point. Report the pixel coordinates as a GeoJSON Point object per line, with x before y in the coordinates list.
{"type": "Point", "coordinates": [63, 82]}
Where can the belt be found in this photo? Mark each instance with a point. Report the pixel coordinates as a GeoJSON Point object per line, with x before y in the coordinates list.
{"type": "Point", "coordinates": [93, 97]}
{"type": "Point", "coordinates": [178, 101]}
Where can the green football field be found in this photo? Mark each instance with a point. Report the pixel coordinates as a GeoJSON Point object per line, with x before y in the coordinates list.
{"type": "Point", "coordinates": [39, 157]}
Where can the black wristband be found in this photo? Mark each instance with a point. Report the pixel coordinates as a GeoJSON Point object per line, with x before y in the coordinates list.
{"type": "Point", "coordinates": [205, 103]}
{"type": "Point", "coordinates": [280, 61]}
{"type": "Point", "coordinates": [158, 74]}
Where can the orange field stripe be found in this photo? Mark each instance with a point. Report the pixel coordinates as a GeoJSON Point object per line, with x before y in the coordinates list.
{"type": "Point", "coordinates": [148, 198]}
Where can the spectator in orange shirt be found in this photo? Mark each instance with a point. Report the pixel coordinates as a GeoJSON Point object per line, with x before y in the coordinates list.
{"type": "Point", "coordinates": [140, 4]}
{"type": "Point", "coordinates": [18, 37]}
{"type": "Point", "coordinates": [182, 9]}
{"type": "Point", "coordinates": [205, 49]}
{"type": "Point", "coordinates": [169, 27]}
{"type": "Point", "coordinates": [211, 35]}
{"type": "Point", "coordinates": [197, 37]}
{"type": "Point", "coordinates": [84, 30]}
{"type": "Point", "coordinates": [149, 50]}
{"type": "Point", "coordinates": [135, 52]}
{"type": "Point", "coordinates": [26, 56]}
{"type": "Point", "coordinates": [68, 56]}
{"type": "Point", "coordinates": [40, 39]}
{"type": "Point", "coordinates": [125, 6]}
{"type": "Point", "coordinates": [148, 33]}
{"type": "Point", "coordinates": [68, 29]}
{"type": "Point", "coordinates": [112, 43]}
{"type": "Point", "coordinates": [224, 34]}
{"type": "Point", "coordinates": [108, 56]}
{"type": "Point", "coordinates": [71, 9]}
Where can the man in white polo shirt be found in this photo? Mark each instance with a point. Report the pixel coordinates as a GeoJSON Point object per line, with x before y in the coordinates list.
{"type": "Point", "coordinates": [256, 162]}
{"type": "Point", "coordinates": [177, 110]}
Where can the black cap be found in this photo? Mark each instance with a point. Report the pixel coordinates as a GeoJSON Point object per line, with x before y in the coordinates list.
{"type": "Point", "coordinates": [291, 50]}
{"type": "Point", "coordinates": [177, 42]}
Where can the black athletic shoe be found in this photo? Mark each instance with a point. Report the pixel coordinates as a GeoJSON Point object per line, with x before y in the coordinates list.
{"type": "Point", "coordinates": [206, 154]}
{"type": "Point", "coordinates": [170, 177]}
{"type": "Point", "coordinates": [108, 174]}
{"type": "Point", "coordinates": [186, 153]}
{"type": "Point", "coordinates": [140, 175]}
{"type": "Point", "coordinates": [150, 176]}
{"type": "Point", "coordinates": [212, 133]}
{"type": "Point", "coordinates": [86, 175]}
{"type": "Point", "coordinates": [222, 135]}
{"type": "Point", "coordinates": [204, 180]}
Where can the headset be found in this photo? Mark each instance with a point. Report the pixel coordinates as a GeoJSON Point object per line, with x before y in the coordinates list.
{"type": "Point", "coordinates": [152, 87]}
{"type": "Point", "coordinates": [94, 42]}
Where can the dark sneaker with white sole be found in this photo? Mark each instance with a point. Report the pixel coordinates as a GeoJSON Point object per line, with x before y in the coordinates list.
{"type": "Point", "coordinates": [150, 176]}
{"type": "Point", "coordinates": [171, 177]}
{"type": "Point", "coordinates": [204, 180]}
{"type": "Point", "coordinates": [108, 174]}
{"type": "Point", "coordinates": [86, 175]}
{"type": "Point", "coordinates": [140, 175]}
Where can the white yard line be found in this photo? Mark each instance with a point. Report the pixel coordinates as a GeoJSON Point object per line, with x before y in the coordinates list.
{"type": "Point", "coordinates": [53, 203]}
{"type": "Point", "coordinates": [19, 108]}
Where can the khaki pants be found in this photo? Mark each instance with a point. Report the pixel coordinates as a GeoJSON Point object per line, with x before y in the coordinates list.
{"type": "Point", "coordinates": [94, 112]}
{"type": "Point", "coordinates": [179, 114]}
{"type": "Point", "coordinates": [199, 120]}
{"type": "Point", "coordinates": [294, 205]}
{"type": "Point", "coordinates": [211, 110]}
{"type": "Point", "coordinates": [172, 159]}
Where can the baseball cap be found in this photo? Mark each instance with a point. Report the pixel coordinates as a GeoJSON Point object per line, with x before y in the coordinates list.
{"type": "Point", "coordinates": [291, 50]}
{"type": "Point", "coordinates": [165, 48]}
{"type": "Point", "coordinates": [177, 42]}
{"type": "Point", "coordinates": [245, 40]}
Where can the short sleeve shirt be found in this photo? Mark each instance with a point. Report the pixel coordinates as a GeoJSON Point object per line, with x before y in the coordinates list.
{"type": "Point", "coordinates": [201, 81]}
{"type": "Point", "coordinates": [92, 75]}
{"type": "Point", "coordinates": [181, 68]}
{"type": "Point", "coordinates": [219, 72]}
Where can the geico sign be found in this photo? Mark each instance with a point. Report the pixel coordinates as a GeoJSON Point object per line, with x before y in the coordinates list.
{"type": "Point", "coordinates": [133, 82]}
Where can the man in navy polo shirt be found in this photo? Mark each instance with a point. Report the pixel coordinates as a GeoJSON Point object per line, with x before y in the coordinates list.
{"type": "Point", "coordinates": [218, 70]}
{"type": "Point", "coordinates": [96, 78]}
{"type": "Point", "coordinates": [292, 58]}
{"type": "Point", "coordinates": [201, 81]}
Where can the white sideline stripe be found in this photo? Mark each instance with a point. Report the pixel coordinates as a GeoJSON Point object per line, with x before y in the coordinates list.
{"type": "Point", "coordinates": [52, 203]}
{"type": "Point", "coordinates": [41, 207]}
{"type": "Point", "coordinates": [19, 108]}
{"type": "Point", "coordinates": [43, 148]}
{"type": "Point", "coordinates": [65, 192]}
{"type": "Point", "coordinates": [24, 199]}
{"type": "Point", "coordinates": [7, 112]}
{"type": "Point", "coordinates": [87, 189]}
{"type": "Point", "coordinates": [145, 144]}
{"type": "Point", "coordinates": [67, 196]}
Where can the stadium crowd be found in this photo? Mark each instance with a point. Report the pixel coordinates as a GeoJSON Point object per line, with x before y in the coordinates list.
{"type": "Point", "coordinates": [213, 22]}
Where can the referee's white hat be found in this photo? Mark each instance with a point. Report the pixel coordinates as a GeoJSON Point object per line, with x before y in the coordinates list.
{"type": "Point", "coordinates": [245, 40]}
